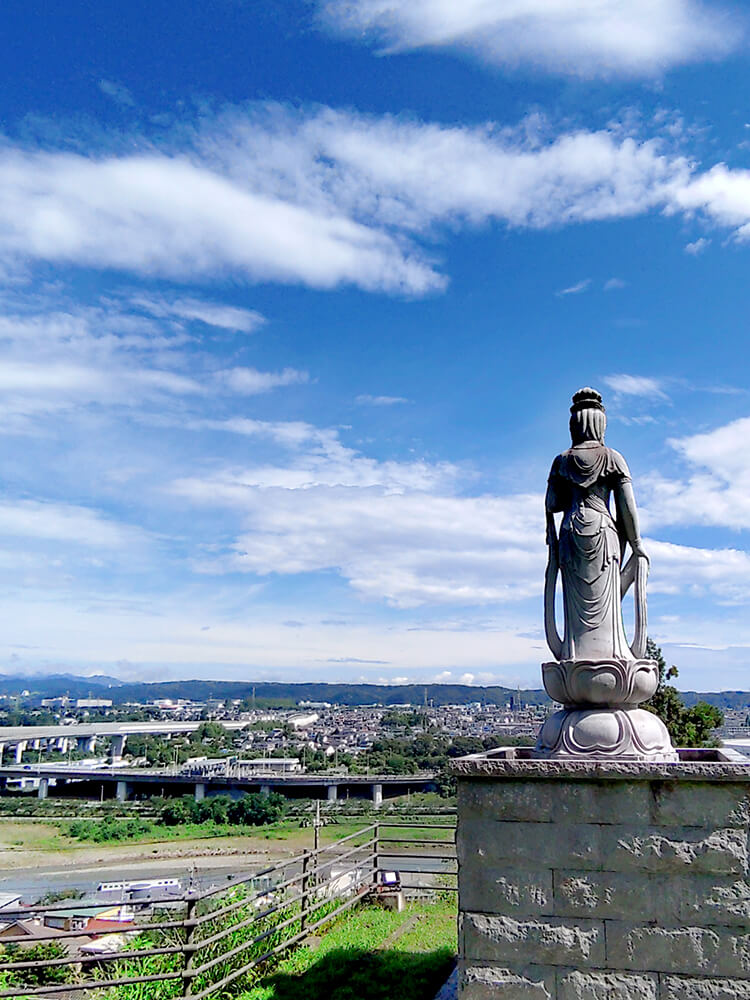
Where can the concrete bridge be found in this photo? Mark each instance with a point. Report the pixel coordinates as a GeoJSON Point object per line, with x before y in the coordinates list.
{"type": "Point", "coordinates": [84, 735]}
{"type": "Point", "coordinates": [123, 783]}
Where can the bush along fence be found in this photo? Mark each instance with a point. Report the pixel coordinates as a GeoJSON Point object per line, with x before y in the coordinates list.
{"type": "Point", "coordinates": [198, 944]}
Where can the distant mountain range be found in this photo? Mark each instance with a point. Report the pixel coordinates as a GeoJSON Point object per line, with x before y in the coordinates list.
{"type": "Point", "coordinates": [288, 695]}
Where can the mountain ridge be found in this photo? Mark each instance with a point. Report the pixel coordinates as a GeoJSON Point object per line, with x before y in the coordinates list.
{"type": "Point", "coordinates": [289, 694]}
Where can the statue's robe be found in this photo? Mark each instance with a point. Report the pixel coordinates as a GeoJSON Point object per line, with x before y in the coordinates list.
{"type": "Point", "coordinates": [580, 484]}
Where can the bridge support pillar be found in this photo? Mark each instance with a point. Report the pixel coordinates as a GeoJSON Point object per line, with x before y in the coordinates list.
{"type": "Point", "coordinates": [200, 791]}
{"type": "Point", "coordinates": [20, 747]}
{"type": "Point", "coordinates": [118, 747]}
{"type": "Point", "coordinates": [333, 793]}
{"type": "Point", "coordinates": [377, 795]}
{"type": "Point", "coordinates": [123, 790]}
{"type": "Point", "coordinates": [265, 789]}
{"type": "Point", "coordinates": [43, 791]}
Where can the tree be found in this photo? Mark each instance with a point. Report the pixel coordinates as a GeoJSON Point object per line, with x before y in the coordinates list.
{"type": "Point", "coordinates": [688, 727]}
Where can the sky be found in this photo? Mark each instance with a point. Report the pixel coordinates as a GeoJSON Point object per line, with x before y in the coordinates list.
{"type": "Point", "coordinates": [293, 299]}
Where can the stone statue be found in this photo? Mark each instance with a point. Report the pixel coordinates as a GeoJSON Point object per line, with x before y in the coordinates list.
{"type": "Point", "coordinates": [597, 675]}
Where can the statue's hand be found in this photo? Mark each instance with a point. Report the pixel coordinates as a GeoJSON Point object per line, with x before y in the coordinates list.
{"type": "Point", "coordinates": [639, 551]}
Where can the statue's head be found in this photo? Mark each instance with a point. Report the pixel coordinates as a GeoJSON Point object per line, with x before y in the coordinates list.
{"type": "Point", "coordinates": [588, 420]}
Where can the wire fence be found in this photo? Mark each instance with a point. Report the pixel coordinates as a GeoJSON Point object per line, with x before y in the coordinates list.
{"type": "Point", "coordinates": [199, 943]}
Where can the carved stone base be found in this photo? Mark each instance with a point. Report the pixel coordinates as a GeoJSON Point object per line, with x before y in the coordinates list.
{"type": "Point", "coordinates": [623, 733]}
{"type": "Point", "coordinates": [613, 682]}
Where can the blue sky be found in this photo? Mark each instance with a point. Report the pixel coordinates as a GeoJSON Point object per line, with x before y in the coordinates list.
{"type": "Point", "coordinates": [294, 296]}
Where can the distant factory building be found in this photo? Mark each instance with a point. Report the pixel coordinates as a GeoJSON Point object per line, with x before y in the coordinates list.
{"type": "Point", "coordinates": [303, 720]}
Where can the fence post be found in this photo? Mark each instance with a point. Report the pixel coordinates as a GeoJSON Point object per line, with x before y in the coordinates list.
{"type": "Point", "coordinates": [187, 988]}
{"type": "Point", "coordinates": [305, 888]}
{"type": "Point", "coordinates": [376, 857]}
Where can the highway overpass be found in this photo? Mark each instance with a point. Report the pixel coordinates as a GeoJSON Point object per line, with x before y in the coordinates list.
{"type": "Point", "coordinates": [85, 734]}
{"type": "Point", "coordinates": [116, 781]}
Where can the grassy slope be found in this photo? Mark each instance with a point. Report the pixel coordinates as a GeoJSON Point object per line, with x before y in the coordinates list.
{"type": "Point", "coordinates": [364, 957]}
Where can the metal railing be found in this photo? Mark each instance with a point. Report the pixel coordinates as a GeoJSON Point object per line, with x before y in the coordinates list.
{"type": "Point", "coordinates": [200, 942]}
{"type": "Point", "coordinates": [430, 860]}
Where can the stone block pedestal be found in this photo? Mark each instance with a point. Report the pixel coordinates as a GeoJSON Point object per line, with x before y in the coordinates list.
{"type": "Point", "coordinates": [604, 880]}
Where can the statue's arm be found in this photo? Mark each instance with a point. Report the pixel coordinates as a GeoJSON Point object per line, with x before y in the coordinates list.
{"type": "Point", "coordinates": [551, 505]}
{"type": "Point", "coordinates": [627, 516]}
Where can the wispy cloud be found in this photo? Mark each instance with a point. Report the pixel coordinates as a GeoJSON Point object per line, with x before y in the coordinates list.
{"type": "Point", "coordinates": [697, 246]}
{"type": "Point", "coordinates": [571, 37]}
{"type": "Point", "coordinates": [395, 531]}
{"type": "Point", "coordinates": [716, 489]}
{"type": "Point", "coordinates": [580, 286]}
{"type": "Point", "coordinates": [211, 313]}
{"type": "Point", "coordinates": [323, 198]}
{"type": "Point", "coordinates": [613, 284]}
{"type": "Point", "coordinates": [366, 400]}
{"type": "Point", "coordinates": [250, 381]}
{"type": "Point", "coordinates": [636, 385]}
{"type": "Point", "coordinates": [119, 93]}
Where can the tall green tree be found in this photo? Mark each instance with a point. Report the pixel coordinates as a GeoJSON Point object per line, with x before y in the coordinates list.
{"type": "Point", "coordinates": [688, 727]}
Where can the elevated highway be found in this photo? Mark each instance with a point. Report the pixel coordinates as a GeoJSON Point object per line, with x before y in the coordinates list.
{"type": "Point", "coordinates": [85, 734]}
{"type": "Point", "coordinates": [116, 781]}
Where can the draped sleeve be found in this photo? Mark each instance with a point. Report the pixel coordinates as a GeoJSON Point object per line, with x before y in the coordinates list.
{"type": "Point", "coordinates": [617, 467]}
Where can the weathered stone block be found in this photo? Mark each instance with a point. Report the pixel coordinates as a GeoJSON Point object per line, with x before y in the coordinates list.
{"type": "Point", "coordinates": [497, 983]}
{"type": "Point", "coordinates": [606, 986]}
{"type": "Point", "coordinates": [512, 891]}
{"type": "Point", "coordinates": [674, 849]}
{"type": "Point", "coordinates": [630, 896]}
{"type": "Point", "coordinates": [544, 941]}
{"type": "Point", "coordinates": [529, 845]}
{"type": "Point", "coordinates": [700, 803]}
{"type": "Point", "coordinates": [691, 951]}
{"type": "Point", "coordinates": [683, 988]}
{"type": "Point", "coordinates": [711, 899]}
{"type": "Point", "coordinates": [516, 801]}
{"type": "Point", "coordinates": [555, 802]}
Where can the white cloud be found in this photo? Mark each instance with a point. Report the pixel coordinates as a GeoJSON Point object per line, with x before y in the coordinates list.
{"type": "Point", "coordinates": [722, 194]}
{"type": "Point", "coordinates": [318, 197]}
{"type": "Point", "coordinates": [636, 385]}
{"type": "Point", "coordinates": [576, 289]}
{"type": "Point", "coordinates": [155, 214]}
{"type": "Point", "coordinates": [723, 574]}
{"type": "Point", "coordinates": [211, 313]}
{"type": "Point", "coordinates": [64, 523]}
{"type": "Point", "coordinates": [288, 433]}
{"type": "Point", "coordinates": [697, 246]}
{"type": "Point", "coordinates": [613, 284]}
{"type": "Point", "coordinates": [573, 37]}
{"type": "Point", "coordinates": [119, 93]}
{"type": "Point", "coordinates": [394, 530]}
{"type": "Point", "coordinates": [250, 381]}
{"type": "Point", "coordinates": [324, 197]}
{"type": "Point", "coordinates": [716, 491]}
{"type": "Point", "coordinates": [366, 400]}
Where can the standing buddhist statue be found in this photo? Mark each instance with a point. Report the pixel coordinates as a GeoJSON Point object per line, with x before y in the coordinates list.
{"type": "Point", "coordinates": [598, 676]}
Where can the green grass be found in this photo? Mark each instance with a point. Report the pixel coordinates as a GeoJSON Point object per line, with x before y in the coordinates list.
{"type": "Point", "coordinates": [364, 957]}
{"type": "Point", "coordinates": [149, 831]}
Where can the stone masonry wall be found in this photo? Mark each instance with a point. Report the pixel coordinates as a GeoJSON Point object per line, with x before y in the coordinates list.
{"type": "Point", "coordinates": [596, 889]}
